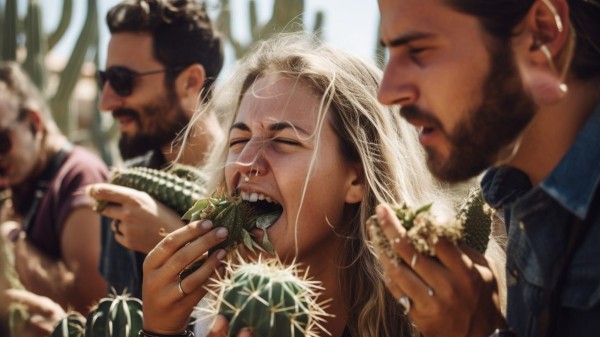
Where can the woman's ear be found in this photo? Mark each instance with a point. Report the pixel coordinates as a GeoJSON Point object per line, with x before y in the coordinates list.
{"type": "Point", "coordinates": [541, 55]}
{"type": "Point", "coordinates": [356, 188]}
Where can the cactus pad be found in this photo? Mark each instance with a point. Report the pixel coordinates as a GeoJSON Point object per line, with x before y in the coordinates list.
{"type": "Point", "coordinates": [239, 217]}
{"type": "Point", "coordinates": [270, 299]}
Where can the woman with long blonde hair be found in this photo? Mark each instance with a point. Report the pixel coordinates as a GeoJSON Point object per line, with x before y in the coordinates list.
{"type": "Point", "coordinates": [306, 133]}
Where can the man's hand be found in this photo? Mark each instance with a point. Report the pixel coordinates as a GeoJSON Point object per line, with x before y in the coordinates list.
{"type": "Point", "coordinates": [452, 294]}
{"type": "Point", "coordinates": [141, 219]}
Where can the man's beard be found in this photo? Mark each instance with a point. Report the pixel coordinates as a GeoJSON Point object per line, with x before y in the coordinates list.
{"type": "Point", "coordinates": [163, 133]}
{"type": "Point", "coordinates": [486, 131]}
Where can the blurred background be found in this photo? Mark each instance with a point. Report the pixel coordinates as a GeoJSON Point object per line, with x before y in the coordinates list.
{"type": "Point", "coordinates": [61, 43]}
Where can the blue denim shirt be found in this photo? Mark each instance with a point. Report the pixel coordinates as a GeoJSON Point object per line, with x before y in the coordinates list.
{"type": "Point", "coordinates": [120, 267]}
{"type": "Point", "coordinates": [538, 220]}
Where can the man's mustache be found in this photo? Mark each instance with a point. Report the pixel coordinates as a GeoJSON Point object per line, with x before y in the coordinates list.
{"type": "Point", "coordinates": [125, 113]}
{"type": "Point", "coordinates": [413, 113]}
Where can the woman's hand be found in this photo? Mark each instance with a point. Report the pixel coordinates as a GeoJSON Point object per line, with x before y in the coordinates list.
{"type": "Point", "coordinates": [453, 295]}
{"type": "Point", "coordinates": [139, 219]}
{"type": "Point", "coordinates": [43, 312]}
{"type": "Point", "coordinates": [168, 299]}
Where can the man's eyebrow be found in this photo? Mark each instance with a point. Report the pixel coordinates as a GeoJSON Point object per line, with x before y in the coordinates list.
{"type": "Point", "coordinates": [400, 41]}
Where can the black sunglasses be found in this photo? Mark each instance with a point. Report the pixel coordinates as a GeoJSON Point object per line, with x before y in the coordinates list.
{"type": "Point", "coordinates": [121, 78]}
{"type": "Point", "coordinates": [5, 140]}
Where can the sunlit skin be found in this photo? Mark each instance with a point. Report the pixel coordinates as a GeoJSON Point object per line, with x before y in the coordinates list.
{"type": "Point", "coordinates": [273, 142]}
{"type": "Point", "coordinates": [434, 65]}
{"type": "Point", "coordinates": [22, 160]}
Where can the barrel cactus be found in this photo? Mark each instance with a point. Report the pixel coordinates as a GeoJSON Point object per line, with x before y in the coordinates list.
{"type": "Point", "coordinates": [472, 227]}
{"type": "Point", "coordinates": [173, 189]}
{"type": "Point", "coordinates": [269, 298]}
{"type": "Point", "coordinates": [118, 316]}
{"type": "Point", "coordinates": [72, 325]}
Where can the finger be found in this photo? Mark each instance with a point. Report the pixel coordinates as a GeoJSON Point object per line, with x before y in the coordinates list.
{"type": "Point", "coordinates": [194, 283]}
{"type": "Point", "coordinates": [184, 245]}
{"type": "Point", "coordinates": [220, 327]}
{"type": "Point", "coordinates": [111, 193]}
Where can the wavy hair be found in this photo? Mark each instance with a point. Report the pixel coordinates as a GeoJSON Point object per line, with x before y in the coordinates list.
{"type": "Point", "coordinates": [371, 134]}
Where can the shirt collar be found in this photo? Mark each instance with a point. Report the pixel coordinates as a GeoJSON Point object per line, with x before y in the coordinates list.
{"type": "Point", "coordinates": [575, 180]}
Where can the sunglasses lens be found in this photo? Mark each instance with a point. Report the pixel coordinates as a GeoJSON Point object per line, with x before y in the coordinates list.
{"type": "Point", "coordinates": [120, 79]}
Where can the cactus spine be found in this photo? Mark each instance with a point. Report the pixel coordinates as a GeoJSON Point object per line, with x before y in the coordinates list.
{"type": "Point", "coordinates": [472, 227]}
{"type": "Point", "coordinates": [120, 316]}
{"type": "Point", "coordinates": [269, 298]}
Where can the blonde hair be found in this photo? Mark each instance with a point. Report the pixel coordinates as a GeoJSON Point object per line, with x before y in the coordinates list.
{"type": "Point", "coordinates": [370, 133]}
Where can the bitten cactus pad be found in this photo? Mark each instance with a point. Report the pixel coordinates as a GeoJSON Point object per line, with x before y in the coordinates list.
{"type": "Point", "coordinates": [271, 299]}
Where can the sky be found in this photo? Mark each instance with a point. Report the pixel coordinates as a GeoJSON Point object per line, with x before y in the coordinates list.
{"type": "Point", "coordinates": [350, 25]}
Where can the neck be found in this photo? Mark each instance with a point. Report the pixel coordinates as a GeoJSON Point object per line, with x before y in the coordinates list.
{"type": "Point", "coordinates": [327, 272]}
{"type": "Point", "coordinates": [553, 130]}
{"type": "Point", "coordinates": [204, 133]}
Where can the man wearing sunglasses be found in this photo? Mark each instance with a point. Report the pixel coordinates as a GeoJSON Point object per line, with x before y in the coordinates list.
{"type": "Point", "coordinates": [163, 57]}
{"type": "Point", "coordinates": [55, 232]}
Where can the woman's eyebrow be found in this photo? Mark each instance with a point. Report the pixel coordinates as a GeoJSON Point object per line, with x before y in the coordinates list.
{"type": "Point", "coordinates": [286, 125]}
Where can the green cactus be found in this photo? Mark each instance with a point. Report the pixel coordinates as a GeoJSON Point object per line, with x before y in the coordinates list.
{"type": "Point", "coordinates": [270, 299]}
{"type": "Point", "coordinates": [471, 226]}
{"type": "Point", "coordinates": [285, 18]}
{"type": "Point", "coordinates": [72, 325]}
{"type": "Point", "coordinates": [175, 192]}
{"type": "Point", "coordinates": [120, 316]}
{"type": "Point", "coordinates": [239, 217]}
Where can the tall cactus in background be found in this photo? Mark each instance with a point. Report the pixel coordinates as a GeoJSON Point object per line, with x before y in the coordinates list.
{"type": "Point", "coordinates": [286, 17]}
{"type": "Point", "coordinates": [38, 44]}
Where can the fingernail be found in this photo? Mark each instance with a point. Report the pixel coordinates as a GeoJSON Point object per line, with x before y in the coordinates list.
{"type": "Point", "coordinates": [206, 224]}
{"type": "Point", "coordinates": [90, 190]}
{"type": "Point", "coordinates": [221, 254]}
{"type": "Point", "coordinates": [222, 233]}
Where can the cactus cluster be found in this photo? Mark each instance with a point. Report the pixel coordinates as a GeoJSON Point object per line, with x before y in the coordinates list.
{"type": "Point", "coordinates": [116, 316]}
{"type": "Point", "coordinates": [170, 188]}
{"type": "Point", "coordinates": [239, 217]}
{"type": "Point", "coordinates": [270, 299]}
{"type": "Point", "coordinates": [471, 226]}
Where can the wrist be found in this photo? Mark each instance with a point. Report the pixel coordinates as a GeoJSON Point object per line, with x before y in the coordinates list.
{"type": "Point", "coordinates": [503, 333]}
{"type": "Point", "coordinates": [146, 333]}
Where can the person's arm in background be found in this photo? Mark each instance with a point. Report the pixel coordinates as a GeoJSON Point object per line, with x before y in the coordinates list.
{"type": "Point", "coordinates": [75, 280]}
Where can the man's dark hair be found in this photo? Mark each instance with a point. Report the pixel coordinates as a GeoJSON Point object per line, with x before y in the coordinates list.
{"type": "Point", "coordinates": [182, 34]}
{"type": "Point", "coordinates": [499, 18]}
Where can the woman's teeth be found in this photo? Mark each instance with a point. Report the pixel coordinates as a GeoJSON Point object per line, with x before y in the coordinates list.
{"type": "Point", "coordinates": [254, 197]}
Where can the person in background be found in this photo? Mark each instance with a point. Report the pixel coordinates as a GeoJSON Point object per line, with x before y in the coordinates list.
{"type": "Point", "coordinates": [55, 233]}
{"type": "Point", "coordinates": [163, 58]}
{"type": "Point", "coordinates": [512, 87]}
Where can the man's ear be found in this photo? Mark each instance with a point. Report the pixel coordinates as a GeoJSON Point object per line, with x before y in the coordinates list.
{"type": "Point", "coordinates": [35, 122]}
{"type": "Point", "coordinates": [544, 49]}
{"type": "Point", "coordinates": [189, 84]}
{"type": "Point", "coordinates": [356, 187]}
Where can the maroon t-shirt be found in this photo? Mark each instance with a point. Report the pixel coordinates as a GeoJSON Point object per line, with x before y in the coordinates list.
{"type": "Point", "coordinates": [65, 193]}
